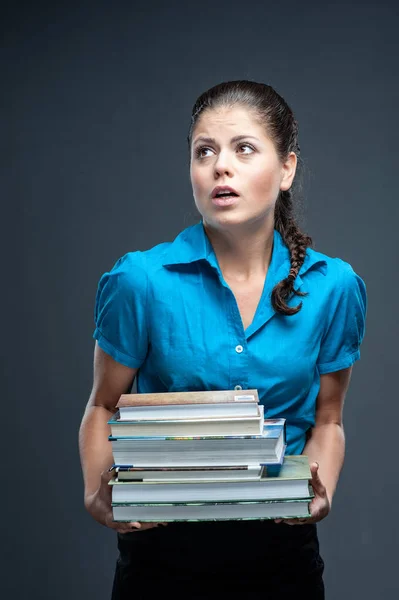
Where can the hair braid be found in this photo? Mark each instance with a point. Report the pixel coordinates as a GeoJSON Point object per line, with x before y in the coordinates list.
{"type": "Point", "coordinates": [297, 243]}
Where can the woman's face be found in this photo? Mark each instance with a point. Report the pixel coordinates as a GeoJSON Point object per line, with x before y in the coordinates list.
{"type": "Point", "coordinates": [249, 165]}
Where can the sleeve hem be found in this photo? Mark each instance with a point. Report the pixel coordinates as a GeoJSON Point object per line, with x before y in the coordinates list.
{"type": "Point", "coordinates": [341, 363]}
{"type": "Point", "coordinates": [120, 357]}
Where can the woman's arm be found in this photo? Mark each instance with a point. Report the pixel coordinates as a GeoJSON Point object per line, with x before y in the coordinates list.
{"type": "Point", "coordinates": [326, 444]}
{"type": "Point", "coordinates": [110, 380]}
{"type": "Point", "coordinates": [325, 447]}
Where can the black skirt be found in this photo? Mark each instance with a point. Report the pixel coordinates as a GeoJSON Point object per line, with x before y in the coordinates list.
{"type": "Point", "coordinates": [225, 559]}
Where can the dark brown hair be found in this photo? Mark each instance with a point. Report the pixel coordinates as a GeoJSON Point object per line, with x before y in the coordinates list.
{"type": "Point", "coordinates": [271, 111]}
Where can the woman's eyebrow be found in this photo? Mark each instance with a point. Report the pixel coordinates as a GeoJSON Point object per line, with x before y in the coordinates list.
{"type": "Point", "coordinates": [237, 138]}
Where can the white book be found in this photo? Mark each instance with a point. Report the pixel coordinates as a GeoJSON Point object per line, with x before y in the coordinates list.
{"type": "Point", "coordinates": [188, 411]}
{"type": "Point", "coordinates": [291, 482]}
{"type": "Point", "coordinates": [181, 474]}
{"type": "Point", "coordinates": [164, 451]}
{"type": "Point", "coordinates": [210, 512]}
{"type": "Point", "coordinates": [189, 427]}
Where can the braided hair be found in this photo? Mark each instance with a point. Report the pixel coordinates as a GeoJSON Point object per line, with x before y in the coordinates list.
{"type": "Point", "coordinates": [272, 111]}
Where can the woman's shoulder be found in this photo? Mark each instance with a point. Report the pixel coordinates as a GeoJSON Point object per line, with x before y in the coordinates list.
{"type": "Point", "coordinates": [340, 276]}
{"type": "Point", "coordinates": [187, 244]}
{"type": "Point", "coordinates": [136, 262]}
{"type": "Point", "coordinates": [335, 266]}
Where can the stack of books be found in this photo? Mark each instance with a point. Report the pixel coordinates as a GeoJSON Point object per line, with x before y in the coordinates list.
{"type": "Point", "coordinates": [193, 456]}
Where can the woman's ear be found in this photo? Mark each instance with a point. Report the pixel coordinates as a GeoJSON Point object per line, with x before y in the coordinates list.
{"type": "Point", "coordinates": [288, 171]}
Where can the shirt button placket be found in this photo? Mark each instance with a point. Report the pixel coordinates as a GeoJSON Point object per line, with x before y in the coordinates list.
{"type": "Point", "coordinates": [240, 370]}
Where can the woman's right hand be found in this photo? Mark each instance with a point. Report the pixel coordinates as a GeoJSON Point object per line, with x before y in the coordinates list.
{"type": "Point", "coordinates": [99, 506]}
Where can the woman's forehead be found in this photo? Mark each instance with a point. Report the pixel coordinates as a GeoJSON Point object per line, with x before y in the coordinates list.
{"type": "Point", "coordinates": [227, 114]}
{"type": "Point", "coordinates": [239, 120]}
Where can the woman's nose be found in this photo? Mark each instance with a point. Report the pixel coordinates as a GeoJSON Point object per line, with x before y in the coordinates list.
{"type": "Point", "coordinates": [223, 163]}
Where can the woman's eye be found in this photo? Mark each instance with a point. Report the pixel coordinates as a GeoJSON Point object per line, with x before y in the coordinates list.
{"type": "Point", "coordinates": [246, 146]}
{"type": "Point", "coordinates": [198, 152]}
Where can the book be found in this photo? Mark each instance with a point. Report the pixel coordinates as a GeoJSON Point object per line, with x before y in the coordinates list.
{"type": "Point", "coordinates": [163, 451]}
{"type": "Point", "coordinates": [176, 474]}
{"type": "Point", "coordinates": [201, 397]}
{"type": "Point", "coordinates": [216, 410]}
{"type": "Point", "coordinates": [235, 425]}
{"type": "Point", "coordinates": [221, 511]}
{"type": "Point", "coordinates": [292, 482]}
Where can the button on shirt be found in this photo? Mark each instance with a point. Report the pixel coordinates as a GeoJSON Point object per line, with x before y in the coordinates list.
{"type": "Point", "coordinates": [169, 312]}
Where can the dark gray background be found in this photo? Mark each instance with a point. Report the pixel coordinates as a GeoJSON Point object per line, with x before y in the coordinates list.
{"type": "Point", "coordinates": [96, 106]}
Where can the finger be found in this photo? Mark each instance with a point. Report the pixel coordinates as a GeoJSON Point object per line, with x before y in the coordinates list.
{"type": "Point", "coordinates": [126, 527]}
{"type": "Point", "coordinates": [316, 482]}
{"type": "Point", "coordinates": [120, 526]}
{"type": "Point", "coordinates": [290, 521]}
{"type": "Point", "coordinates": [295, 521]}
{"type": "Point", "coordinates": [135, 526]}
{"type": "Point", "coordinates": [150, 525]}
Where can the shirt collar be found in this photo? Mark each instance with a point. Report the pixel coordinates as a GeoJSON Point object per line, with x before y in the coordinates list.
{"type": "Point", "coordinates": [192, 245]}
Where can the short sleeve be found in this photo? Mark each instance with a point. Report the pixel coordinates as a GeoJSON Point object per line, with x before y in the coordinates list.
{"type": "Point", "coordinates": [120, 311]}
{"type": "Point", "coordinates": [345, 323]}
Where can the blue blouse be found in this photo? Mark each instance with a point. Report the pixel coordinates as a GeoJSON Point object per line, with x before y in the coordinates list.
{"type": "Point", "coordinates": [169, 312]}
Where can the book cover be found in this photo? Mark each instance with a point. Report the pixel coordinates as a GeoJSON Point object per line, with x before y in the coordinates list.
{"type": "Point", "coordinates": [272, 429]}
{"type": "Point", "coordinates": [166, 412]}
{"type": "Point", "coordinates": [221, 503]}
{"type": "Point", "coordinates": [236, 425]}
{"type": "Point", "coordinates": [292, 482]}
{"type": "Point", "coordinates": [293, 467]}
{"type": "Point", "coordinates": [164, 475]}
{"type": "Point", "coordinates": [211, 512]}
{"type": "Point", "coordinates": [197, 397]}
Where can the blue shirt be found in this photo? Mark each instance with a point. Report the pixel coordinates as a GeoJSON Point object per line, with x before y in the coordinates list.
{"type": "Point", "coordinates": [169, 312]}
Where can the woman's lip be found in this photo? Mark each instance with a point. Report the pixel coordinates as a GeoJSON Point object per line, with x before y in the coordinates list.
{"type": "Point", "coordinates": [225, 201]}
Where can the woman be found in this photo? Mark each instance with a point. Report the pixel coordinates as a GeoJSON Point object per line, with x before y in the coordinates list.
{"type": "Point", "coordinates": [218, 309]}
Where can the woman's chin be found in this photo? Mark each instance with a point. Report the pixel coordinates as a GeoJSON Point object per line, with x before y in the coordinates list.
{"type": "Point", "coordinates": [223, 221]}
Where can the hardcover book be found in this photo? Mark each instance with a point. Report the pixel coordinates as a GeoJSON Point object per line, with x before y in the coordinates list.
{"type": "Point", "coordinates": [235, 425]}
{"type": "Point", "coordinates": [292, 482]}
{"type": "Point", "coordinates": [163, 451]}
{"type": "Point", "coordinates": [202, 397]}
{"type": "Point", "coordinates": [223, 511]}
{"type": "Point", "coordinates": [176, 474]}
{"type": "Point", "coordinates": [217, 410]}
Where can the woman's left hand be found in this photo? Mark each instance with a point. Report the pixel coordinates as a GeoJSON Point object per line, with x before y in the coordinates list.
{"type": "Point", "coordinates": [320, 504]}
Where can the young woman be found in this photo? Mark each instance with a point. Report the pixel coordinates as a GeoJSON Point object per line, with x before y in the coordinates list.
{"type": "Point", "coordinates": [238, 301]}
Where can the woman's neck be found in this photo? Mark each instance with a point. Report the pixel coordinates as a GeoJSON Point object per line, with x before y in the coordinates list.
{"type": "Point", "coordinates": [242, 253]}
